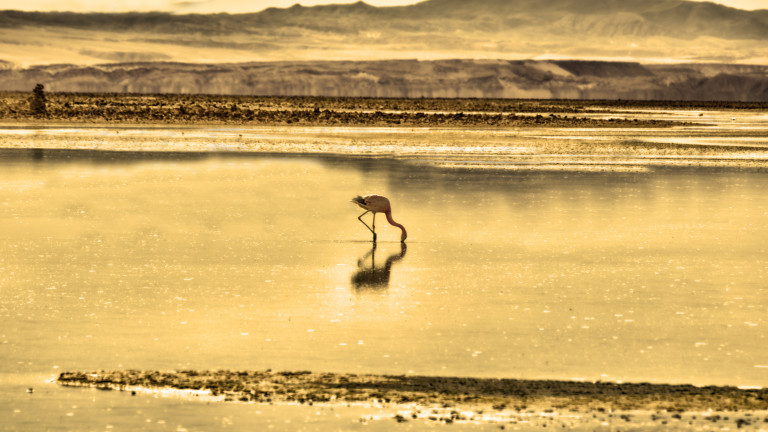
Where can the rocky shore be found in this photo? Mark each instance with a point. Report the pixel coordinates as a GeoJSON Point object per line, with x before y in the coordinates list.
{"type": "Point", "coordinates": [319, 111]}
{"type": "Point", "coordinates": [453, 399]}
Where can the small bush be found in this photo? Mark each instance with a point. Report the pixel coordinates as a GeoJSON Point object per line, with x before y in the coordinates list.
{"type": "Point", "coordinates": [37, 101]}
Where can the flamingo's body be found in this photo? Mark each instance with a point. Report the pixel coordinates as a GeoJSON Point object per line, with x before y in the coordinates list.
{"type": "Point", "coordinates": [377, 204]}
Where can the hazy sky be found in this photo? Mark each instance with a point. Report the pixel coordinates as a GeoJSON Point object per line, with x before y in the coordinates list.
{"type": "Point", "coordinates": [232, 6]}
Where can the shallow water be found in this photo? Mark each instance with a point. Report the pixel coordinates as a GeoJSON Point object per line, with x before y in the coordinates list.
{"type": "Point", "coordinates": [167, 261]}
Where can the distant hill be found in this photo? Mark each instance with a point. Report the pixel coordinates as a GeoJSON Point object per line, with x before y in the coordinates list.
{"type": "Point", "coordinates": [638, 30]}
{"type": "Point", "coordinates": [558, 79]}
{"type": "Point", "coordinates": [603, 18]}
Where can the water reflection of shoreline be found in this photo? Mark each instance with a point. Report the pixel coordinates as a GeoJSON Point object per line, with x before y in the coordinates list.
{"type": "Point", "coordinates": [372, 278]}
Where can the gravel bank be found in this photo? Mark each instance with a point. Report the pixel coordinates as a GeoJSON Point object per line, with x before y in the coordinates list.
{"type": "Point", "coordinates": [454, 399]}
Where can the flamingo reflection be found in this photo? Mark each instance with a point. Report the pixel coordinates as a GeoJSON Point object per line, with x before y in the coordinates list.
{"type": "Point", "coordinates": [373, 278]}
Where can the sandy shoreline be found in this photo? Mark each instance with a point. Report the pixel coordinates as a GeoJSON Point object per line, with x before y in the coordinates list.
{"type": "Point", "coordinates": [455, 399]}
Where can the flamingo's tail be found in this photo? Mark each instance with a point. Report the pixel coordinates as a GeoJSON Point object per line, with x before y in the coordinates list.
{"type": "Point", "coordinates": [358, 200]}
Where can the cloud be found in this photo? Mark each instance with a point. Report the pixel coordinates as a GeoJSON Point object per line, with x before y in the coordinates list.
{"type": "Point", "coordinates": [183, 4]}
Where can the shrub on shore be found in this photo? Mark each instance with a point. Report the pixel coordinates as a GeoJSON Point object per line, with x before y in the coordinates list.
{"type": "Point", "coordinates": [37, 103]}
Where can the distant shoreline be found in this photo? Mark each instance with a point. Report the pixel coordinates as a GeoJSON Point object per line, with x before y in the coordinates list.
{"type": "Point", "coordinates": [450, 399]}
{"type": "Point", "coordinates": [320, 111]}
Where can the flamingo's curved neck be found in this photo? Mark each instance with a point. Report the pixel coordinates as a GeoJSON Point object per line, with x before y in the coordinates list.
{"type": "Point", "coordinates": [392, 222]}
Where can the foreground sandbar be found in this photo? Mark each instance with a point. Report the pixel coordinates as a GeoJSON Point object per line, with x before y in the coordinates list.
{"type": "Point", "coordinates": [453, 399]}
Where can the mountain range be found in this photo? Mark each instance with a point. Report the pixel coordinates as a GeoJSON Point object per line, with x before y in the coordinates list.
{"type": "Point", "coordinates": [640, 30]}
{"type": "Point", "coordinates": [476, 33]}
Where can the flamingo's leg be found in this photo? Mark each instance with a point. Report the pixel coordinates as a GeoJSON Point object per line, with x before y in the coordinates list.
{"type": "Point", "coordinates": [374, 227]}
{"type": "Point", "coordinates": [366, 225]}
{"type": "Point", "coordinates": [362, 222]}
{"type": "Point", "coordinates": [372, 230]}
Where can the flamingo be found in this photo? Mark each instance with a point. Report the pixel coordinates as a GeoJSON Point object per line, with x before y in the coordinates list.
{"type": "Point", "coordinates": [377, 204]}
